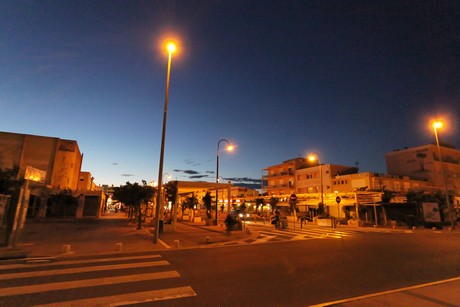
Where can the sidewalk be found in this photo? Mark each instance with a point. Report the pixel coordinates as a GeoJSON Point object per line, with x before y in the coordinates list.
{"type": "Point", "coordinates": [440, 293]}
{"type": "Point", "coordinates": [112, 233]}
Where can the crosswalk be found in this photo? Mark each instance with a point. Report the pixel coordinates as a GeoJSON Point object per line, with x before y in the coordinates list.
{"type": "Point", "coordinates": [268, 234]}
{"type": "Point", "coordinates": [109, 281]}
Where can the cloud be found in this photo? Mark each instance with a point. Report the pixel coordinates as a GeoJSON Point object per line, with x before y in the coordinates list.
{"type": "Point", "coordinates": [190, 172]}
{"type": "Point", "coordinates": [127, 175]}
{"type": "Point", "coordinates": [114, 163]}
{"type": "Point", "coordinates": [198, 176]}
{"type": "Point", "coordinates": [245, 180]}
{"type": "Point", "coordinates": [191, 162]}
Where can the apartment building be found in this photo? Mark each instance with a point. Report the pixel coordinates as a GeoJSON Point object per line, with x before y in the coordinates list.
{"type": "Point", "coordinates": [310, 179]}
{"type": "Point", "coordinates": [424, 162]}
{"type": "Point", "coordinates": [280, 178]}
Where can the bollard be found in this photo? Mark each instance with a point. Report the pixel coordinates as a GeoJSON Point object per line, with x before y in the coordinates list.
{"type": "Point", "coordinates": [119, 247]}
{"type": "Point", "coordinates": [248, 231]}
{"type": "Point", "coordinates": [66, 248]}
{"type": "Point", "coordinates": [208, 240]}
{"type": "Point", "coordinates": [176, 243]}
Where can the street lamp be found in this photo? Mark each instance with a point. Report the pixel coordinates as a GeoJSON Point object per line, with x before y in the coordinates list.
{"type": "Point", "coordinates": [171, 48]}
{"type": "Point", "coordinates": [228, 148]}
{"type": "Point", "coordinates": [437, 125]}
{"type": "Point", "coordinates": [317, 157]}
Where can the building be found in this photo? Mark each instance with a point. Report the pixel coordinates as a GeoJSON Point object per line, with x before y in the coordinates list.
{"type": "Point", "coordinates": [310, 179]}
{"type": "Point", "coordinates": [424, 162]}
{"type": "Point", "coordinates": [368, 181]}
{"type": "Point", "coordinates": [280, 178]}
{"type": "Point", "coordinates": [60, 159]}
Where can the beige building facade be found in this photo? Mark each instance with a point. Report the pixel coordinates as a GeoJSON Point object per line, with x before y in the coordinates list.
{"type": "Point", "coordinates": [280, 178]}
{"type": "Point", "coordinates": [60, 159]}
{"type": "Point", "coordinates": [424, 162]}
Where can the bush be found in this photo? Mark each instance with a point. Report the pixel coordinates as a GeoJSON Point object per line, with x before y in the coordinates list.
{"type": "Point", "coordinates": [232, 223]}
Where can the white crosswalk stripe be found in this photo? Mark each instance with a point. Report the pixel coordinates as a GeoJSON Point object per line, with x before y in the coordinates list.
{"type": "Point", "coordinates": [67, 282]}
{"type": "Point", "coordinates": [307, 233]}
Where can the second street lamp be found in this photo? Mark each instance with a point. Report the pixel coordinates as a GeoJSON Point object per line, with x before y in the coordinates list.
{"type": "Point", "coordinates": [436, 125]}
{"type": "Point", "coordinates": [317, 157]}
{"type": "Point", "coordinates": [171, 48]}
{"type": "Point", "coordinates": [228, 148]}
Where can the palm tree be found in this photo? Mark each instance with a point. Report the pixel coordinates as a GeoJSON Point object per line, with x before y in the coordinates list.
{"type": "Point", "coordinates": [421, 156]}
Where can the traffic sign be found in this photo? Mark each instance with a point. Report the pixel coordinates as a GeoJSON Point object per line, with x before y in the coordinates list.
{"type": "Point", "coordinates": [338, 199]}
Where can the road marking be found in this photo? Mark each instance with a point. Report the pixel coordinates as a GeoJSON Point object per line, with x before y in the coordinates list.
{"type": "Point", "coordinates": [21, 290]}
{"type": "Point", "coordinates": [263, 240]}
{"type": "Point", "coordinates": [83, 269]}
{"type": "Point", "coordinates": [130, 298]}
{"type": "Point", "coordinates": [67, 262]}
{"type": "Point", "coordinates": [366, 296]}
{"type": "Point", "coordinates": [163, 243]}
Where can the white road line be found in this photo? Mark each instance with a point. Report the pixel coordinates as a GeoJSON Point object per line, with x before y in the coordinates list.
{"type": "Point", "coordinates": [67, 262]}
{"type": "Point", "coordinates": [127, 299]}
{"type": "Point", "coordinates": [83, 269]}
{"type": "Point", "coordinates": [264, 239]}
{"type": "Point", "coordinates": [86, 283]}
{"type": "Point", "coordinates": [357, 298]}
{"type": "Point", "coordinates": [299, 237]}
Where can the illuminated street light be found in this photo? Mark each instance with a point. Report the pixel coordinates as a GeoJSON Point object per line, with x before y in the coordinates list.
{"type": "Point", "coordinates": [317, 157]}
{"type": "Point", "coordinates": [171, 48]}
{"type": "Point", "coordinates": [437, 125]}
{"type": "Point", "coordinates": [228, 148]}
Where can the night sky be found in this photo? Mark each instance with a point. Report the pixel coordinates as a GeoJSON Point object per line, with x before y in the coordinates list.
{"type": "Point", "coordinates": [351, 80]}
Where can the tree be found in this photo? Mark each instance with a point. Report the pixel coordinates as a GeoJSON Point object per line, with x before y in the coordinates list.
{"type": "Point", "coordinates": [133, 195]}
{"type": "Point", "coordinates": [171, 190]}
{"type": "Point", "coordinates": [191, 201]}
{"type": "Point", "coordinates": [421, 156]}
{"type": "Point", "coordinates": [9, 184]}
{"type": "Point", "coordinates": [207, 201]}
{"type": "Point", "coordinates": [260, 202]}
{"type": "Point", "coordinates": [273, 202]}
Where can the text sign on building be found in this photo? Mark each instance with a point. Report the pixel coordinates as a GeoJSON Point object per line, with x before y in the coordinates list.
{"type": "Point", "coordinates": [34, 174]}
{"type": "Point", "coordinates": [368, 198]}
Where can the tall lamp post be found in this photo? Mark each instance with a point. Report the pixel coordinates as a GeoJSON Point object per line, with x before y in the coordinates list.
{"type": "Point", "coordinates": [436, 125]}
{"type": "Point", "coordinates": [228, 148]}
{"type": "Point", "coordinates": [317, 157]}
{"type": "Point", "coordinates": [171, 48]}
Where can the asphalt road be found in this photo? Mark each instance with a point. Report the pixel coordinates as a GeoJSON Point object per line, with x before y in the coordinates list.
{"type": "Point", "coordinates": [301, 273]}
{"type": "Point", "coordinates": [281, 273]}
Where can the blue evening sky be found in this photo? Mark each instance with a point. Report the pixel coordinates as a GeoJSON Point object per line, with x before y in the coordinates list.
{"type": "Point", "coordinates": [351, 80]}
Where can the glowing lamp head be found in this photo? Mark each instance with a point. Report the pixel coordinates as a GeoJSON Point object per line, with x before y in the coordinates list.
{"type": "Point", "coordinates": [312, 158]}
{"type": "Point", "coordinates": [437, 124]}
{"type": "Point", "coordinates": [171, 47]}
{"type": "Point", "coordinates": [230, 148]}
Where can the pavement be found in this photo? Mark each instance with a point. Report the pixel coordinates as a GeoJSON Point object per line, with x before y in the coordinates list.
{"type": "Point", "coordinates": [114, 234]}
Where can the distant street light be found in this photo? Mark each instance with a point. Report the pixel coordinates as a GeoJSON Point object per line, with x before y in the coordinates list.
{"type": "Point", "coordinates": [228, 148]}
{"type": "Point", "coordinates": [437, 125]}
{"type": "Point", "coordinates": [317, 157]}
{"type": "Point", "coordinates": [171, 48]}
